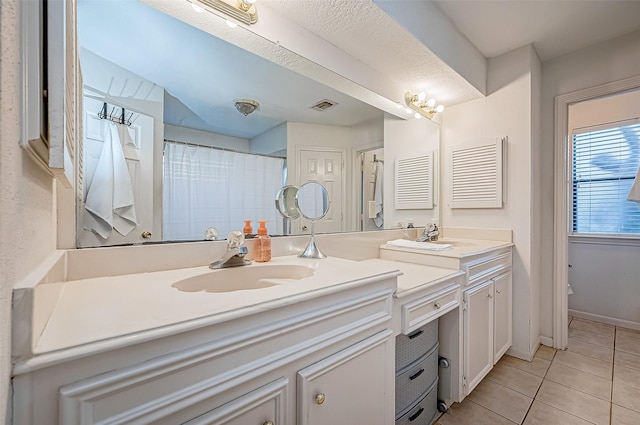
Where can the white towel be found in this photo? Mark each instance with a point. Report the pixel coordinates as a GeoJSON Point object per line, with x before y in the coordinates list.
{"type": "Point", "coordinates": [377, 195]}
{"type": "Point", "coordinates": [110, 200]}
{"type": "Point", "coordinates": [634, 193]}
{"type": "Point", "coordinates": [420, 245]}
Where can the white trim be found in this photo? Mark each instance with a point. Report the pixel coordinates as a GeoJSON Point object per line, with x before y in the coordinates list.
{"type": "Point", "coordinates": [605, 319]}
{"type": "Point", "coordinates": [545, 340]}
{"type": "Point", "coordinates": [561, 200]}
{"type": "Point", "coordinates": [605, 239]}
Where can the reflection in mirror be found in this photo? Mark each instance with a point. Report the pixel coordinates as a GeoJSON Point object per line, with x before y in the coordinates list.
{"type": "Point", "coordinates": [177, 86]}
{"type": "Point", "coordinates": [313, 202]}
{"type": "Point", "coordinates": [286, 206]}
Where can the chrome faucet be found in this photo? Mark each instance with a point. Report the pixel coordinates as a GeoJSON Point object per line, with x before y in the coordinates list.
{"type": "Point", "coordinates": [430, 233]}
{"type": "Point", "coordinates": [235, 254]}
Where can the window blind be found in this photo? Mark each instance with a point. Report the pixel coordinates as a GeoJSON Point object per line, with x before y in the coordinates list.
{"type": "Point", "coordinates": [605, 162]}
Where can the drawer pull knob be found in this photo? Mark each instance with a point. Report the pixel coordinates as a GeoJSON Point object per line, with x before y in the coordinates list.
{"type": "Point", "coordinates": [437, 306]}
{"type": "Point", "coordinates": [414, 376]}
{"type": "Point", "coordinates": [498, 291]}
{"type": "Point", "coordinates": [268, 423]}
{"type": "Point", "coordinates": [320, 398]}
{"type": "Point", "coordinates": [489, 295]}
{"type": "Point", "coordinates": [415, 415]}
{"type": "Point", "coordinates": [415, 333]}
{"type": "Point", "coordinates": [146, 234]}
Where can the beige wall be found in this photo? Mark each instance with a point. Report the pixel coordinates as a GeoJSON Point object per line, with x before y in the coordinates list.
{"type": "Point", "coordinates": [27, 218]}
{"type": "Point", "coordinates": [593, 66]}
{"type": "Point", "coordinates": [506, 111]}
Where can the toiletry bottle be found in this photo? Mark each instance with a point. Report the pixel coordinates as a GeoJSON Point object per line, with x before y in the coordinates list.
{"type": "Point", "coordinates": [262, 244]}
{"type": "Point", "coordinates": [247, 230]}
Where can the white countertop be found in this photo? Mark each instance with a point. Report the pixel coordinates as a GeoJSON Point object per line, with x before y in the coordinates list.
{"type": "Point", "coordinates": [461, 247]}
{"type": "Point", "coordinates": [98, 309]}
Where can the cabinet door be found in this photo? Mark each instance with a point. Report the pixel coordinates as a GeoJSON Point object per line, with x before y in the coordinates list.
{"type": "Point", "coordinates": [353, 386]}
{"type": "Point", "coordinates": [502, 324]}
{"type": "Point", "coordinates": [478, 334]}
{"type": "Point", "coordinates": [262, 406]}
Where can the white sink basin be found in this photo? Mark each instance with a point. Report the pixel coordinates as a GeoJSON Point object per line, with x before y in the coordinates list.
{"type": "Point", "coordinates": [254, 276]}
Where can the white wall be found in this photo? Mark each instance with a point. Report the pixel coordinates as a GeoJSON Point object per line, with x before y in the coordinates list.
{"type": "Point", "coordinates": [506, 111]}
{"type": "Point", "coordinates": [272, 142]}
{"type": "Point", "coordinates": [402, 137]}
{"type": "Point", "coordinates": [593, 66]}
{"type": "Point", "coordinates": [189, 135]}
{"type": "Point", "coordinates": [27, 196]}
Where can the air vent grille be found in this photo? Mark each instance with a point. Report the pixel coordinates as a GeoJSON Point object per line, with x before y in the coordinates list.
{"type": "Point", "coordinates": [323, 105]}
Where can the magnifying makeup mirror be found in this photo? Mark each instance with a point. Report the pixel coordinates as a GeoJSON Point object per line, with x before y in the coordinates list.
{"type": "Point", "coordinates": [312, 200]}
{"type": "Point", "coordinates": [286, 202]}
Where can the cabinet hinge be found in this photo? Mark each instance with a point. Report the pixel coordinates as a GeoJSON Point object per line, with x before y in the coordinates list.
{"type": "Point", "coordinates": [464, 305]}
{"type": "Point", "coordinates": [464, 381]}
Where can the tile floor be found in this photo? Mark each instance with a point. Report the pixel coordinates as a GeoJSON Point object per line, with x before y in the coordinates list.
{"type": "Point", "coordinates": [595, 381]}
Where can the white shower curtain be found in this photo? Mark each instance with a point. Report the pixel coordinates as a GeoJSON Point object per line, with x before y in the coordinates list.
{"type": "Point", "coordinates": [207, 187]}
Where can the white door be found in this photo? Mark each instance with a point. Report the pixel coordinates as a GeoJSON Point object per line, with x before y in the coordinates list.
{"type": "Point", "coordinates": [502, 326]}
{"type": "Point", "coordinates": [324, 167]}
{"type": "Point", "coordinates": [137, 145]}
{"type": "Point", "coordinates": [478, 334]}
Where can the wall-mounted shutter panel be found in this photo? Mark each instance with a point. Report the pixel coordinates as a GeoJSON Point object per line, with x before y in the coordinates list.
{"type": "Point", "coordinates": [414, 182]}
{"type": "Point", "coordinates": [476, 175]}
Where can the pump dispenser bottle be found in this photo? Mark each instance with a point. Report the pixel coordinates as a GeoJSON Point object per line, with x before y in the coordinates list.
{"type": "Point", "coordinates": [247, 230]}
{"type": "Point", "coordinates": [262, 245]}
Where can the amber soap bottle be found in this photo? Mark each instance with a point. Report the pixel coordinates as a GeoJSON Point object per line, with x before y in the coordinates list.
{"type": "Point", "coordinates": [262, 244]}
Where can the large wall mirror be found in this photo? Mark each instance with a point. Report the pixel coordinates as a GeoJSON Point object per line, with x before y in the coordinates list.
{"type": "Point", "coordinates": [183, 131]}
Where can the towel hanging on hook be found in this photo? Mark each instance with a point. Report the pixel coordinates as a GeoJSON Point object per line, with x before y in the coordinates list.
{"type": "Point", "coordinates": [122, 118]}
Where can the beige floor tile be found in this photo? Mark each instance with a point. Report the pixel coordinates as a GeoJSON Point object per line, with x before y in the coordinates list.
{"type": "Point", "coordinates": [627, 376]}
{"type": "Point", "coordinates": [545, 352]}
{"type": "Point", "coordinates": [628, 343]}
{"type": "Point", "coordinates": [579, 380]}
{"type": "Point", "coordinates": [501, 400]}
{"type": "Point", "coordinates": [626, 396]}
{"type": "Point", "coordinates": [518, 380]}
{"type": "Point", "coordinates": [574, 402]}
{"type": "Point", "coordinates": [591, 337]}
{"type": "Point", "coordinates": [537, 366]}
{"type": "Point", "coordinates": [624, 416]}
{"type": "Point", "coordinates": [584, 363]}
{"type": "Point", "coordinates": [544, 414]}
{"type": "Point", "coordinates": [590, 350]}
{"type": "Point", "coordinates": [470, 413]}
{"type": "Point", "coordinates": [594, 327]}
{"type": "Point", "coordinates": [634, 333]}
{"type": "Point", "coordinates": [631, 361]}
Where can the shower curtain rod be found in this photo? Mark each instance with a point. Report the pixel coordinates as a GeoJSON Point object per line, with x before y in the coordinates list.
{"type": "Point", "coordinates": [199, 145]}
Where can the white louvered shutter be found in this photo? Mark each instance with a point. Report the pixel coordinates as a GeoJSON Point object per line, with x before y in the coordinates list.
{"type": "Point", "coordinates": [414, 182]}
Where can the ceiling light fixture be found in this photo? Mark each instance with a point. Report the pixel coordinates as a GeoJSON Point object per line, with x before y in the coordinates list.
{"type": "Point", "coordinates": [422, 105]}
{"type": "Point", "coordinates": [240, 10]}
{"type": "Point", "coordinates": [247, 106]}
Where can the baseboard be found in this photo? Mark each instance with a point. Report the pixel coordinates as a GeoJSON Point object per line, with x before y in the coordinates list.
{"type": "Point", "coordinates": [545, 340]}
{"type": "Point", "coordinates": [521, 354]}
{"type": "Point", "coordinates": [605, 319]}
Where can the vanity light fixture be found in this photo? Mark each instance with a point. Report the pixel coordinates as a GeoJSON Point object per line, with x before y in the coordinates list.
{"type": "Point", "coordinates": [240, 10]}
{"type": "Point", "coordinates": [421, 105]}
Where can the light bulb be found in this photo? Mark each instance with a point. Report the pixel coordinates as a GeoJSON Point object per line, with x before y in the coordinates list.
{"type": "Point", "coordinates": [439, 108]}
{"type": "Point", "coordinates": [409, 111]}
{"type": "Point", "coordinates": [197, 8]}
{"type": "Point", "coordinates": [231, 24]}
{"type": "Point", "coordinates": [417, 115]}
{"type": "Point", "coordinates": [431, 102]}
{"type": "Point", "coordinates": [399, 105]}
{"type": "Point", "coordinates": [422, 96]}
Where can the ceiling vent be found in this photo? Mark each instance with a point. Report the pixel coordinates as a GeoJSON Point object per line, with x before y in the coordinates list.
{"type": "Point", "coordinates": [323, 105]}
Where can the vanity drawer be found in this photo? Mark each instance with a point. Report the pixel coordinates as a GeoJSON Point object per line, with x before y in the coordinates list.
{"type": "Point", "coordinates": [413, 346]}
{"type": "Point", "coordinates": [425, 411]}
{"type": "Point", "coordinates": [482, 270]}
{"type": "Point", "coordinates": [428, 308]}
{"type": "Point", "coordinates": [415, 379]}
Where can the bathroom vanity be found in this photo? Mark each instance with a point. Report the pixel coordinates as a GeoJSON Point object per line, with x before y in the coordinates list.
{"type": "Point", "coordinates": [292, 341]}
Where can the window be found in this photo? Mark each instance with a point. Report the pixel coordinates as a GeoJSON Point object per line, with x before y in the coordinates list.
{"type": "Point", "coordinates": [605, 164]}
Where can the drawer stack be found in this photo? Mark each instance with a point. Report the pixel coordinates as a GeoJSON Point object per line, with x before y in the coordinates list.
{"type": "Point", "coordinates": [417, 375]}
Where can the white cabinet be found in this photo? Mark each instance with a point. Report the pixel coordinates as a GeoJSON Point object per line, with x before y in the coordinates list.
{"type": "Point", "coordinates": [478, 333]}
{"type": "Point", "coordinates": [487, 327]}
{"type": "Point", "coordinates": [351, 386]}
{"type": "Point", "coordinates": [503, 322]}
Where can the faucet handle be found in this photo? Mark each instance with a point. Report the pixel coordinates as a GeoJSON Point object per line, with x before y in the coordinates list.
{"type": "Point", "coordinates": [235, 238]}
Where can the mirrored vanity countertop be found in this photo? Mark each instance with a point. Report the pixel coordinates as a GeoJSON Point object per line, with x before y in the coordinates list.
{"type": "Point", "coordinates": [101, 313]}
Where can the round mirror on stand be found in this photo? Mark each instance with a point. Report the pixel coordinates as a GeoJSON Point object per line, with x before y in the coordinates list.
{"type": "Point", "coordinates": [312, 200]}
